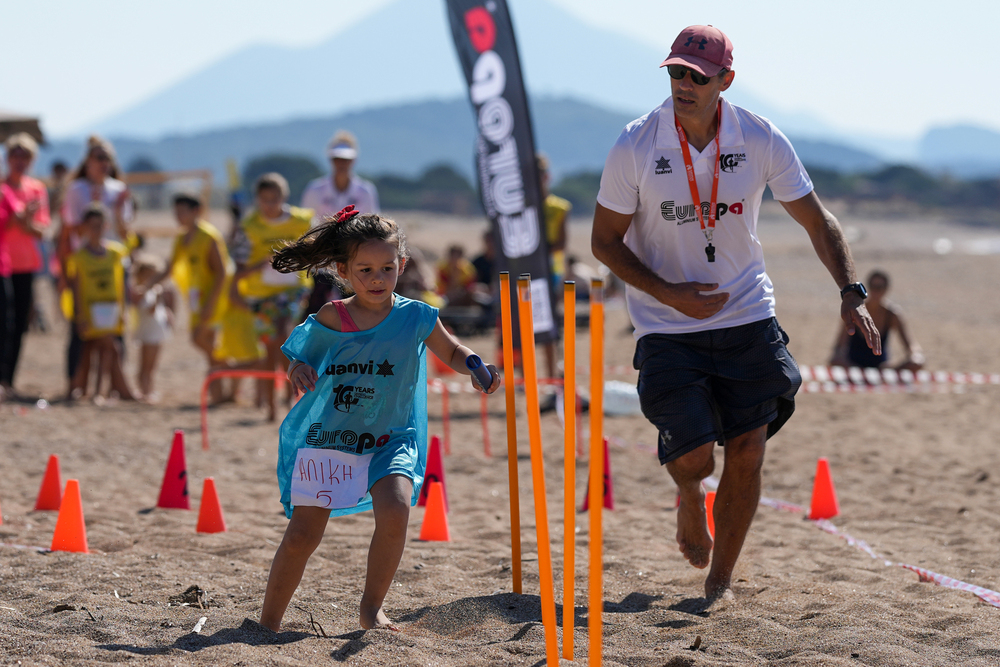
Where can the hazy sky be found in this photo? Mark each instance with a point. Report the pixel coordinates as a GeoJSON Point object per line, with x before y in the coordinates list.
{"type": "Point", "coordinates": [880, 66]}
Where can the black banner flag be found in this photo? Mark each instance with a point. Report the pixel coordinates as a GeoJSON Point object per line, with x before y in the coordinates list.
{"type": "Point", "coordinates": [508, 176]}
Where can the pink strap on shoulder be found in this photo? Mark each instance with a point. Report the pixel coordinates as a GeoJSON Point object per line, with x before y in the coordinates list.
{"type": "Point", "coordinates": [347, 324]}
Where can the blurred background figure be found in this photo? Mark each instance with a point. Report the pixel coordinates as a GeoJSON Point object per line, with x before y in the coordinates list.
{"type": "Point", "coordinates": [275, 299]}
{"type": "Point", "coordinates": [556, 215]}
{"type": "Point", "coordinates": [330, 194]}
{"type": "Point", "coordinates": [24, 215]}
{"type": "Point", "coordinates": [852, 350]}
{"type": "Point", "coordinates": [456, 278]}
{"type": "Point", "coordinates": [155, 306]}
{"type": "Point", "coordinates": [95, 180]}
{"type": "Point", "coordinates": [100, 291]}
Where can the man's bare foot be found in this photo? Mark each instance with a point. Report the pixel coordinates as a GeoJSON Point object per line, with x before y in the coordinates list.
{"type": "Point", "coordinates": [375, 621]}
{"type": "Point", "coordinates": [692, 530]}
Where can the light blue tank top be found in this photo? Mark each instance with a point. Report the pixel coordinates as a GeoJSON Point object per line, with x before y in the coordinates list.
{"type": "Point", "coordinates": [370, 398]}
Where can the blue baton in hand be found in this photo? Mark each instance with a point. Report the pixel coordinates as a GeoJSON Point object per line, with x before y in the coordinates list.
{"type": "Point", "coordinates": [482, 374]}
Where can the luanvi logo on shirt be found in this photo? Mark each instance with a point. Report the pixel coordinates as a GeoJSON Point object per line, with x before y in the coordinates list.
{"type": "Point", "coordinates": [360, 369]}
{"type": "Point", "coordinates": [728, 162]}
{"type": "Point", "coordinates": [663, 166]}
{"type": "Point", "coordinates": [685, 213]}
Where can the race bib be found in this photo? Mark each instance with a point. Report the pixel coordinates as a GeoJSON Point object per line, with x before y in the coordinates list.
{"type": "Point", "coordinates": [104, 315]}
{"type": "Point", "coordinates": [329, 478]}
{"type": "Point", "coordinates": [277, 278]}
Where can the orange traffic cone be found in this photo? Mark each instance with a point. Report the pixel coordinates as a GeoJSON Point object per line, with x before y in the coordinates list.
{"type": "Point", "coordinates": [174, 491]}
{"type": "Point", "coordinates": [210, 519]}
{"type": "Point", "coordinates": [434, 473]}
{"type": "Point", "coordinates": [609, 487]}
{"type": "Point", "coordinates": [50, 493]}
{"type": "Point", "coordinates": [71, 531]}
{"type": "Point", "coordinates": [435, 526]}
{"type": "Point", "coordinates": [824, 499]}
{"type": "Point", "coordinates": [709, 509]}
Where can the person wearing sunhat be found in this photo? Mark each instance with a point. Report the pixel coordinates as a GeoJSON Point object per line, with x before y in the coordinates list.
{"type": "Point", "coordinates": [329, 194]}
{"type": "Point", "coordinates": [676, 219]}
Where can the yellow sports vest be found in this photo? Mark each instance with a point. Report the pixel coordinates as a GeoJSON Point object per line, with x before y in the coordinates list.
{"type": "Point", "coordinates": [101, 280]}
{"type": "Point", "coordinates": [556, 210]}
{"type": "Point", "coordinates": [265, 237]}
{"type": "Point", "coordinates": [192, 271]}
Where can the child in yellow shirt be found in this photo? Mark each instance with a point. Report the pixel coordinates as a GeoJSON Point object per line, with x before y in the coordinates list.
{"type": "Point", "coordinates": [97, 275]}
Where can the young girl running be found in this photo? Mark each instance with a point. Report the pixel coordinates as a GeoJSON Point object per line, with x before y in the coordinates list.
{"type": "Point", "coordinates": [357, 439]}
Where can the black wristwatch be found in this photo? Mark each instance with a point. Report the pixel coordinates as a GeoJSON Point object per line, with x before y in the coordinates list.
{"type": "Point", "coordinates": [854, 287]}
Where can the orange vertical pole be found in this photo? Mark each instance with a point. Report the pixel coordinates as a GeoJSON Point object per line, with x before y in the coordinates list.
{"type": "Point", "coordinates": [596, 586]}
{"type": "Point", "coordinates": [547, 592]}
{"type": "Point", "coordinates": [506, 330]}
{"type": "Point", "coordinates": [569, 463]}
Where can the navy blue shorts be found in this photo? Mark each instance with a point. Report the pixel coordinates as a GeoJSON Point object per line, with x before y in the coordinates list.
{"type": "Point", "coordinates": [713, 385]}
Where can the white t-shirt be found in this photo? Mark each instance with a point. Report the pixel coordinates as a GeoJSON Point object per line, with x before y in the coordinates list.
{"type": "Point", "coordinates": [323, 198]}
{"type": "Point", "coordinates": [644, 175]}
{"type": "Point", "coordinates": [81, 192]}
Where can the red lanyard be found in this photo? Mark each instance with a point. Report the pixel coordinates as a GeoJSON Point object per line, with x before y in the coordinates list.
{"type": "Point", "coordinates": [708, 229]}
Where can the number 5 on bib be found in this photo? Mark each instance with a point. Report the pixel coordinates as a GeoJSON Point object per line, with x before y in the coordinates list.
{"type": "Point", "coordinates": [329, 478]}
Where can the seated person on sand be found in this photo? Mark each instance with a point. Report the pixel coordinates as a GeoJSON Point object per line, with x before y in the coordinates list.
{"type": "Point", "coordinates": [456, 278]}
{"type": "Point", "coordinates": [852, 350]}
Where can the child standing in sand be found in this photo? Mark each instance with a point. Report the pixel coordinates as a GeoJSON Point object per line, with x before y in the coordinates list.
{"type": "Point", "coordinates": [155, 306]}
{"type": "Point", "coordinates": [97, 275]}
{"type": "Point", "coordinates": [357, 439]}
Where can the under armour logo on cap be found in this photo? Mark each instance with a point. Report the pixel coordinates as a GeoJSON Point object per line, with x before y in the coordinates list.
{"type": "Point", "coordinates": [703, 48]}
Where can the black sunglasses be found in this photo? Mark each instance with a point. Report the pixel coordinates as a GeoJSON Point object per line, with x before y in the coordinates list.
{"type": "Point", "coordinates": [678, 72]}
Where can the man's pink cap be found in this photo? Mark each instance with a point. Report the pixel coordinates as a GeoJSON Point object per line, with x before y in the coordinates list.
{"type": "Point", "coordinates": [703, 48]}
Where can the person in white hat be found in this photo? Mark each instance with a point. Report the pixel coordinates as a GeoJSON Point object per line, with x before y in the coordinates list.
{"type": "Point", "coordinates": [329, 194]}
{"type": "Point", "coordinates": [676, 220]}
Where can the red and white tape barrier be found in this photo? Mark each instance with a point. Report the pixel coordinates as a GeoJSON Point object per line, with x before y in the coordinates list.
{"type": "Point", "coordinates": [985, 594]}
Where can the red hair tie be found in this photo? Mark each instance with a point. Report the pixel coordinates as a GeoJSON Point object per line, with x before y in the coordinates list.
{"type": "Point", "coordinates": [346, 214]}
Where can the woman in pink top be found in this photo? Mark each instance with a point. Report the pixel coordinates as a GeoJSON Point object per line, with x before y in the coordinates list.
{"type": "Point", "coordinates": [24, 212]}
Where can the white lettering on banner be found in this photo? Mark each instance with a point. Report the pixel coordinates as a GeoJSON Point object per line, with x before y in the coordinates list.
{"type": "Point", "coordinates": [500, 170]}
{"type": "Point", "coordinates": [519, 233]}
{"type": "Point", "coordinates": [508, 192]}
{"type": "Point", "coordinates": [541, 309]}
{"type": "Point", "coordinates": [489, 77]}
{"type": "Point", "coordinates": [496, 120]}
{"type": "Point", "coordinates": [329, 478]}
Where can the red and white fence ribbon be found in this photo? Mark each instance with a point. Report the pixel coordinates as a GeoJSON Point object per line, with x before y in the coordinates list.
{"type": "Point", "coordinates": [985, 594]}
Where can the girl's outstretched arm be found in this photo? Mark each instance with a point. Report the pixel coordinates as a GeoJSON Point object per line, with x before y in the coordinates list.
{"type": "Point", "coordinates": [447, 348]}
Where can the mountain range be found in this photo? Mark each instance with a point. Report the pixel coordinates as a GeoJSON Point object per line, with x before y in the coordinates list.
{"type": "Point", "coordinates": [393, 78]}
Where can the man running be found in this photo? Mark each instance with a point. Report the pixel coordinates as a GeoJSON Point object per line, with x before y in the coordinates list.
{"type": "Point", "coordinates": [676, 220]}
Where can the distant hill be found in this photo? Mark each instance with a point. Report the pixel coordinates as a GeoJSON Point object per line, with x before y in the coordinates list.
{"type": "Point", "coordinates": [962, 150]}
{"type": "Point", "coordinates": [406, 139]}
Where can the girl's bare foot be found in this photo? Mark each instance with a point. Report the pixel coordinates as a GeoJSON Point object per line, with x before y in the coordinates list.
{"type": "Point", "coordinates": [376, 621]}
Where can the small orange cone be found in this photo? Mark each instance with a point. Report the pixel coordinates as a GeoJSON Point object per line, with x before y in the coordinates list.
{"type": "Point", "coordinates": [174, 491]}
{"type": "Point", "coordinates": [435, 526]}
{"type": "Point", "coordinates": [824, 499]}
{"type": "Point", "coordinates": [50, 493]}
{"type": "Point", "coordinates": [210, 519]}
{"type": "Point", "coordinates": [609, 487]}
{"type": "Point", "coordinates": [434, 473]}
{"type": "Point", "coordinates": [71, 531]}
{"type": "Point", "coordinates": [709, 509]}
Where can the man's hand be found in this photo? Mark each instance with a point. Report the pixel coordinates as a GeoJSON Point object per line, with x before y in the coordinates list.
{"type": "Point", "coordinates": [303, 377]}
{"type": "Point", "coordinates": [856, 317]}
{"type": "Point", "coordinates": [689, 299]}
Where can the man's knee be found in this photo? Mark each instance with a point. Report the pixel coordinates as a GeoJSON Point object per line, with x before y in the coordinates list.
{"type": "Point", "coordinates": [747, 450]}
{"type": "Point", "coordinates": [698, 463]}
